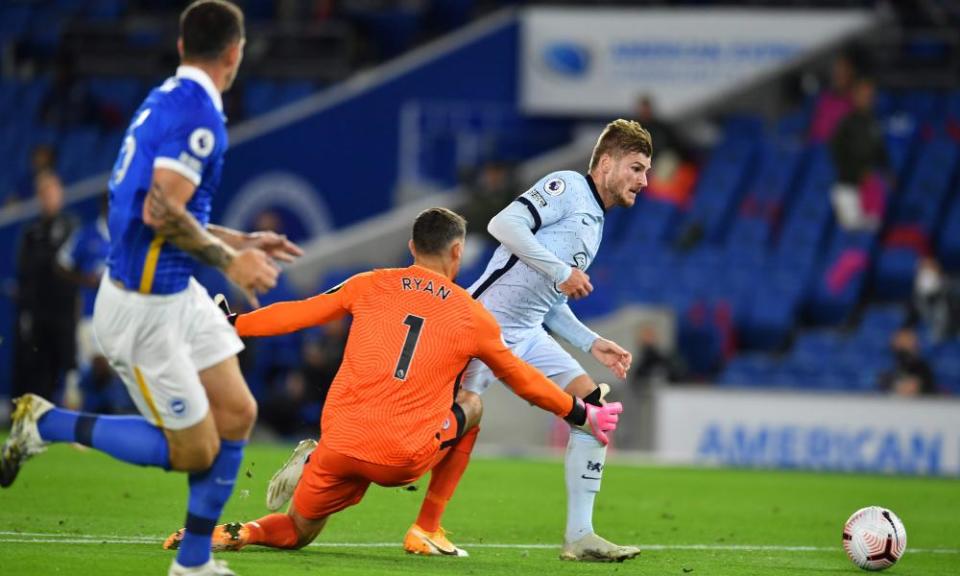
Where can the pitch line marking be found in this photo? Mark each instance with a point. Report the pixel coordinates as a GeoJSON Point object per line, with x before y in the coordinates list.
{"type": "Point", "coordinates": [13, 537]}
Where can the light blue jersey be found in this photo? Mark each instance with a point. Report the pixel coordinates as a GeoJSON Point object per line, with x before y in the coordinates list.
{"type": "Point", "coordinates": [180, 127]}
{"type": "Point", "coordinates": [566, 217]}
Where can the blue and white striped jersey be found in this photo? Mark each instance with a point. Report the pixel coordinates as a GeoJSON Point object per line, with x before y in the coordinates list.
{"type": "Point", "coordinates": [180, 126]}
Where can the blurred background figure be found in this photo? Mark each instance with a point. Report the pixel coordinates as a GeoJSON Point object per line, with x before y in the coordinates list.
{"type": "Point", "coordinates": [82, 260]}
{"type": "Point", "coordinates": [860, 158]}
{"type": "Point", "coordinates": [936, 300]}
{"type": "Point", "coordinates": [834, 103]}
{"type": "Point", "coordinates": [674, 171]}
{"type": "Point", "coordinates": [655, 364]}
{"type": "Point", "coordinates": [43, 158]}
{"type": "Point", "coordinates": [489, 189]}
{"type": "Point", "coordinates": [911, 374]}
{"type": "Point", "coordinates": [46, 302]}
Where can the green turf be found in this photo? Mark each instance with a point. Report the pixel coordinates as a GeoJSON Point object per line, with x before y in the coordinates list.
{"type": "Point", "coordinates": [69, 494]}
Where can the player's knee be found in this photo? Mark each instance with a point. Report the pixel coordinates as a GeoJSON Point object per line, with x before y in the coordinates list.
{"type": "Point", "coordinates": [236, 421]}
{"type": "Point", "coordinates": [195, 456]}
{"type": "Point", "coordinates": [247, 413]}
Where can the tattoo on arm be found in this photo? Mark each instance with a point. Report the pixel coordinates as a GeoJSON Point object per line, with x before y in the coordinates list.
{"type": "Point", "coordinates": [182, 230]}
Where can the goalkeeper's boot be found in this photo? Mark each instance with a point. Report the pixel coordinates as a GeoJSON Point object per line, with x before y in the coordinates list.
{"type": "Point", "coordinates": [226, 537]}
{"type": "Point", "coordinates": [24, 440]}
{"type": "Point", "coordinates": [211, 568]}
{"type": "Point", "coordinates": [283, 483]}
{"type": "Point", "coordinates": [592, 548]}
{"type": "Point", "coordinates": [419, 541]}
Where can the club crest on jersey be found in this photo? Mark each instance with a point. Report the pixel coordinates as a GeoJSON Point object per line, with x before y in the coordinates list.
{"type": "Point", "coordinates": [201, 142]}
{"type": "Point", "coordinates": [594, 466]}
{"type": "Point", "coordinates": [555, 186]}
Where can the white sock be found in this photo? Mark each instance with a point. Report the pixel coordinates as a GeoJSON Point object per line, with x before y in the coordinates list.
{"type": "Point", "coordinates": [583, 467]}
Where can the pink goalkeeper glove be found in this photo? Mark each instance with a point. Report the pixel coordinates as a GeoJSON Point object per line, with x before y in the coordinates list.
{"type": "Point", "coordinates": [601, 420]}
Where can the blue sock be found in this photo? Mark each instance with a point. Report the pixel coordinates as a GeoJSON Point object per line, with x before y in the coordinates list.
{"type": "Point", "coordinates": [128, 438]}
{"type": "Point", "coordinates": [209, 492]}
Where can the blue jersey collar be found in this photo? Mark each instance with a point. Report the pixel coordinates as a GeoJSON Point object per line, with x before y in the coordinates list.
{"type": "Point", "coordinates": [203, 79]}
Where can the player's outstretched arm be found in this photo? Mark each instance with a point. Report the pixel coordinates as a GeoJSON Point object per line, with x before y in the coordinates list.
{"type": "Point", "coordinates": [277, 246]}
{"type": "Point", "coordinates": [165, 211]}
{"type": "Point", "coordinates": [287, 317]}
{"type": "Point", "coordinates": [562, 321]}
{"type": "Point", "coordinates": [531, 385]}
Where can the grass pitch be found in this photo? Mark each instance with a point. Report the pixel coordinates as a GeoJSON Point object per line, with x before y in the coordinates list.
{"type": "Point", "coordinates": [79, 512]}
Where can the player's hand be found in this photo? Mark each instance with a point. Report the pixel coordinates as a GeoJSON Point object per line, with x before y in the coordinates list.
{"type": "Point", "coordinates": [601, 420]}
{"type": "Point", "coordinates": [611, 355]}
{"type": "Point", "coordinates": [275, 245]}
{"type": "Point", "coordinates": [254, 272]}
{"type": "Point", "coordinates": [577, 285]}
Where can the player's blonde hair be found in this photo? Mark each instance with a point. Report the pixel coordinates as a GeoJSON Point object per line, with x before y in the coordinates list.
{"type": "Point", "coordinates": [622, 137]}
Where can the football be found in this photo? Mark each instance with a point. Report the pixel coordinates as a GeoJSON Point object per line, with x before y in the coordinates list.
{"type": "Point", "coordinates": [874, 538]}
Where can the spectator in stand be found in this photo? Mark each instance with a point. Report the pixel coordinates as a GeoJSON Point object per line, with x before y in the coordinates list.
{"type": "Point", "coordinates": [489, 189]}
{"type": "Point", "coordinates": [44, 344]}
{"type": "Point", "coordinates": [860, 157]}
{"type": "Point", "coordinates": [42, 159]}
{"type": "Point", "coordinates": [936, 300]}
{"type": "Point", "coordinates": [69, 103]}
{"type": "Point", "coordinates": [834, 103]}
{"type": "Point", "coordinates": [655, 366]}
{"type": "Point", "coordinates": [911, 374]}
{"type": "Point", "coordinates": [674, 173]}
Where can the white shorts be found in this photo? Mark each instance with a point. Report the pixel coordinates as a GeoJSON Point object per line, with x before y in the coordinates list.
{"type": "Point", "coordinates": [539, 350]}
{"type": "Point", "coordinates": [159, 344]}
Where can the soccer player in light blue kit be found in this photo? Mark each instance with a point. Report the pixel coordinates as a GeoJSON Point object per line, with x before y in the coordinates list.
{"type": "Point", "coordinates": [549, 236]}
{"type": "Point", "coordinates": [162, 333]}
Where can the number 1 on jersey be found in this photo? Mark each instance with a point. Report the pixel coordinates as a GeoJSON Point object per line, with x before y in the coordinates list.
{"type": "Point", "coordinates": [415, 324]}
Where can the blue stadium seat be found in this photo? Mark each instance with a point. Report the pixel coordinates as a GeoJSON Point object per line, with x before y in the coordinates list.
{"type": "Point", "coordinates": [894, 274]}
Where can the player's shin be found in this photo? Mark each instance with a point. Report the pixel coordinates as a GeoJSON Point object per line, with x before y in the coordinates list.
{"type": "Point", "coordinates": [209, 492]}
{"type": "Point", "coordinates": [128, 438]}
{"type": "Point", "coordinates": [273, 530]}
{"type": "Point", "coordinates": [583, 467]}
{"type": "Point", "coordinates": [444, 479]}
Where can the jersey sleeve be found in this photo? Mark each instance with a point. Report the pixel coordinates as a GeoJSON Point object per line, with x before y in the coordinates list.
{"type": "Point", "coordinates": [286, 317]}
{"type": "Point", "coordinates": [562, 321]}
{"type": "Point", "coordinates": [553, 198]}
{"type": "Point", "coordinates": [525, 380]}
{"type": "Point", "coordinates": [192, 141]}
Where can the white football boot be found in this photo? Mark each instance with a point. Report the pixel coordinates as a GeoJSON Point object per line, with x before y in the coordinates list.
{"type": "Point", "coordinates": [592, 548]}
{"type": "Point", "coordinates": [24, 440]}
{"type": "Point", "coordinates": [283, 483]}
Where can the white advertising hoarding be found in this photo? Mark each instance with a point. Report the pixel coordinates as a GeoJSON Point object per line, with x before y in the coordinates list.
{"type": "Point", "coordinates": [855, 433]}
{"type": "Point", "coordinates": [598, 61]}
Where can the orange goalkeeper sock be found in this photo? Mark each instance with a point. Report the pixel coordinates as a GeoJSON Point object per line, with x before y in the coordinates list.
{"type": "Point", "coordinates": [274, 530]}
{"type": "Point", "coordinates": [444, 479]}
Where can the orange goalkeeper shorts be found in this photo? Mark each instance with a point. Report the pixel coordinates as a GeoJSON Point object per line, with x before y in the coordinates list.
{"type": "Point", "coordinates": [332, 481]}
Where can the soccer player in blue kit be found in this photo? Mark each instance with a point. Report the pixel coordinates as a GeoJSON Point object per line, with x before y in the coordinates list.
{"type": "Point", "coordinates": [161, 332]}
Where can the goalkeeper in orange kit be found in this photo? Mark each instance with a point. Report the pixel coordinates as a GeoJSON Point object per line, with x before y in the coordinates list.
{"type": "Point", "coordinates": [393, 411]}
